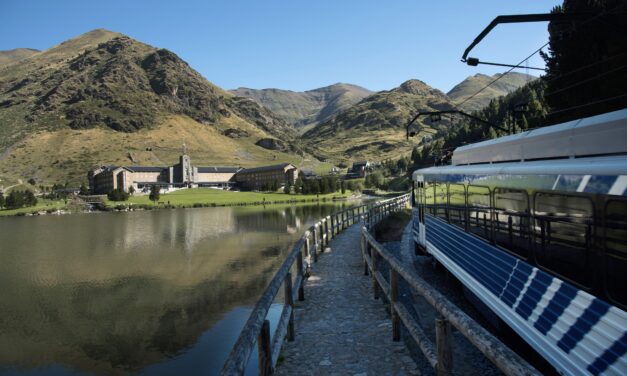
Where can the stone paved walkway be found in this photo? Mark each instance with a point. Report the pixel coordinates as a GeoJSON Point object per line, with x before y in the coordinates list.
{"type": "Point", "coordinates": [340, 328]}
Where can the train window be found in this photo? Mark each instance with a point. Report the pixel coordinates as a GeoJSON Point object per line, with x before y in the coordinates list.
{"type": "Point", "coordinates": [429, 198]}
{"type": "Point", "coordinates": [564, 231]}
{"type": "Point", "coordinates": [511, 221]}
{"type": "Point", "coordinates": [457, 205]}
{"type": "Point", "coordinates": [441, 201]}
{"type": "Point", "coordinates": [479, 221]}
{"type": "Point", "coordinates": [616, 250]}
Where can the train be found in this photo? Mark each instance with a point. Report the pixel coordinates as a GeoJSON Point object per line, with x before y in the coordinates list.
{"type": "Point", "coordinates": [534, 225]}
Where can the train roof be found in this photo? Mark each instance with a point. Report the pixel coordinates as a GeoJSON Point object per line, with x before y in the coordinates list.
{"type": "Point", "coordinates": [602, 166]}
{"type": "Point", "coordinates": [603, 134]}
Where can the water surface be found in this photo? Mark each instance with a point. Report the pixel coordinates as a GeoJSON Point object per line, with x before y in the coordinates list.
{"type": "Point", "coordinates": [157, 292]}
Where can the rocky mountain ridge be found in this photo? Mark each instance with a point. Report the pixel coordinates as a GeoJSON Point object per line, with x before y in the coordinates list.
{"type": "Point", "coordinates": [109, 82]}
{"type": "Point", "coordinates": [309, 108]}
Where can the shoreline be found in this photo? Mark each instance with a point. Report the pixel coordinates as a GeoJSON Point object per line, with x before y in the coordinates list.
{"type": "Point", "coordinates": [129, 207]}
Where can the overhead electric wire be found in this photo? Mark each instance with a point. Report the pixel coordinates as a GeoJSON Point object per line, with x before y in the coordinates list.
{"type": "Point", "coordinates": [586, 80]}
{"type": "Point", "coordinates": [585, 67]}
{"type": "Point", "coordinates": [503, 75]}
{"type": "Point", "coordinates": [538, 50]}
{"type": "Point", "coordinates": [587, 104]}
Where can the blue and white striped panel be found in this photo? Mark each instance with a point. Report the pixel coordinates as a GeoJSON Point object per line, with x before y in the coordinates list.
{"type": "Point", "coordinates": [575, 331]}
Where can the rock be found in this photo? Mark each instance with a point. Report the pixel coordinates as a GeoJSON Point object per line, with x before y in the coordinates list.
{"type": "Point", "coordinates": [272, 144]}
{"type": "Point", "coordinates": [235, 133]}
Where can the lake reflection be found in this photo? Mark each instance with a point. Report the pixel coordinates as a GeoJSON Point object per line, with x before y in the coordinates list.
{"type": "Point", "coordinates": [157, 292]}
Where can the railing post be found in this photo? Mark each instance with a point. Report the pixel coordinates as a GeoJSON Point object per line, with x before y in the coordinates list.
{"type": "Point", "coordinates": [444, 367]}
{"type": "Point", "coordinates": [308, 248]}
{"type": "Point", "coordinates": [289, 301]}
{"type": "Point", "coordinates": [315, 243]}
{"type": "Point", "coordinates": [396, 321]}
{"type": "Point", "coordinates": [374, 259]}
{"type": "Point", "coordinates": [299, 271]}
{"type": "Point", "coordinates": [366, 248]}
{"type": "Point", "coordinates": [326, 231]}
{"type": "Point", "coordinates": [265, 352]}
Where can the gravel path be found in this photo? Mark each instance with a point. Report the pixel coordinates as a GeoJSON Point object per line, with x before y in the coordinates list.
{"type": "Point", "coordinates": [340, 328]}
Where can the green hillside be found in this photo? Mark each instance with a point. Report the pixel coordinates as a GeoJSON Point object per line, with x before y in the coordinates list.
{"type": "Point", "coordinates": [104, 98]}
{"type": "Point", "coordinates": [375, 127]}
{"type": "Point", "coordinates": [473, 84]}
{"type": "Point", "coordinates": [306, 109]}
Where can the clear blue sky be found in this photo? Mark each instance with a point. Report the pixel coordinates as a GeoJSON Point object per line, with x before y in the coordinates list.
{"type": "Point", "coordinates": [292, 44]}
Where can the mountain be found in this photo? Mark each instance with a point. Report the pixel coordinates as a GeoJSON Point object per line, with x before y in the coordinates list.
{"type": "Point", "coordinates": [306, 109]}
{"type": "Point", "coordinates": [105, 98]}
{"type": "Point", "coordinates": [375, 127]}
{"type": "Point", "coordinates": [11, 56]}
{"type": "Point", "coordinates": [473, 84]}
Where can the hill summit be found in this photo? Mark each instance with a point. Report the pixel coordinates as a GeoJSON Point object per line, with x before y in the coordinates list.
{"type": "Point", "coordinates": [308, 108]}
{"type": "Point", "coordinates": [473, 84]}
{"type": "Point", "coordinates": [122, 84]}
{"type": "Point", "coordinates": [103, 82]}
{"type": "Point", "coordinates": [373, 128]}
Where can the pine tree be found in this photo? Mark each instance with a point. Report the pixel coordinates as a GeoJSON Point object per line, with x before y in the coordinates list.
{"type": "Point", "coordinates": [154, 193]}
{"type": "Point", "coordinates": [585, 60]}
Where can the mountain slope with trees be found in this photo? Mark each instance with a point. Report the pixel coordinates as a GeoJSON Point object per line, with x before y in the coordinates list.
{"type": "Point", "coordinates": [375, 127]}
{"type": "Point", "coordinates": [104, 98]}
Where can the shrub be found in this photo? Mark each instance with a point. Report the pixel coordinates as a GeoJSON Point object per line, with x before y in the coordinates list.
{"type": "Point", "coordinates": [118, 194]}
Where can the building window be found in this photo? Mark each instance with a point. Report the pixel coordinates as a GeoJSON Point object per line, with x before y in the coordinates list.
{"type": "Point", "coordinates": [564, 226]}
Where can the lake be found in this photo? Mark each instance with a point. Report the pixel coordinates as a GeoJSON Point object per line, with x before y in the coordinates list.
{"type": "Point", "coordinates": [155, 292]}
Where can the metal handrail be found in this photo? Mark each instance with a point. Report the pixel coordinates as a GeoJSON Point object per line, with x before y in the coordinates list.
{"type": "Point", "coordinates": [303, 254]}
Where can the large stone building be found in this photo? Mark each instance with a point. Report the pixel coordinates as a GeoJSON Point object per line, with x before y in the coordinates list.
{"type": "Point", "coordinates": [183, 174]}
{"type": "Point", "coordinates": [104, 179]}
{"type": "Point", "coordinates": [257, 177]}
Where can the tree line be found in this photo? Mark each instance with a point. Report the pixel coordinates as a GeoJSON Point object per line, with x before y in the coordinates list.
{"type": "Point", "coordinates": [322, 185]}
{"type": "Point", "coordinates": [585, 76]}
{"type": "Point", "coordinates": [18, 199]}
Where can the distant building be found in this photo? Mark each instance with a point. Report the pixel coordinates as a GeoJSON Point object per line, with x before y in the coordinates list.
{"type": "Point", "coordinates": [306, 174]}
{"type": "Point", "coordinates": [257, 177]}
{"type": "Point", "coordinates": [104, 179]}
{"type": "Point", "coordinates": [359, 170]}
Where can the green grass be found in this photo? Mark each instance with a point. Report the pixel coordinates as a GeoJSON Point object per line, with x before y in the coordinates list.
{"type": "Point", "coordinates": [204, 196]}
{"type": "Point", "coordinates": [42, 204]}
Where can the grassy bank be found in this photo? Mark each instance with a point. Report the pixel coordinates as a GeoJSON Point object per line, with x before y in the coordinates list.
{"type": "Point", "coordinates": [42, 205]}
{"type": "Point", "coordinates": [209, 197]}
{"type": "Point", "coordinates": [188, 198]}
